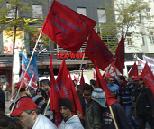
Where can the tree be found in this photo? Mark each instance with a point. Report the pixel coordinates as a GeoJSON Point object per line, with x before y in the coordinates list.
{"type": "Point", "coordinates": [127, 15]}
{"type": "Point", "coordinates": [15, 15]}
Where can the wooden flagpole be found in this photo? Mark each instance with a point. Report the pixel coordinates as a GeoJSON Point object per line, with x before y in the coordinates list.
{"type": "Point", "coordinates": [111, 111]}
{"type": "Point", "coordinates": [25, 72]}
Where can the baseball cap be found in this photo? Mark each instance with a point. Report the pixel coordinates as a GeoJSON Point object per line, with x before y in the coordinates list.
{"type": "Point", "coordinates": [24, 104]}
{"type": "Point", "coordinates": [98, 95]}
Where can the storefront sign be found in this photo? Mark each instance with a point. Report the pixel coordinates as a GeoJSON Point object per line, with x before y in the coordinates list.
{"type": "Point", "coordinates": [70, 55]}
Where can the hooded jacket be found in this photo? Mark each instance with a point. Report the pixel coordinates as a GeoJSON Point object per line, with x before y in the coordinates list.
{"type": "Point", "coordinates": [71, 123]}
{"type": "Point", "coordinates": [42, 122]}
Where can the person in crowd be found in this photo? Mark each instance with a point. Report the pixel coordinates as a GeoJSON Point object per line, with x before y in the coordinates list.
{"type": "Point", "coordinates": [27, 111]}
{"type": "Point", "coordinates": [42, 104]}
{"type": "Point", "coordinates": [108, 119]}
{"type": "Point", "coordinates": [126, 99]}
{"type": "Point", "coordinates": [114, 88]}
{"type": "Point", "coordinates": [93, 115]}
{"type": "Point", "coordinates": [10, 123]}
{"type": "Point", "coordinates": [145, 106]}
{"type": "Point", "coordinates": [45, 86]}
{"type": "Point", "coordinates": [93, 83]}
{"type": "Point", "coordinates": [23, 93]}
{"type": "Point", "coordinates": [2, 100]}
{"type": "Point", "coordinates": [69, 121]}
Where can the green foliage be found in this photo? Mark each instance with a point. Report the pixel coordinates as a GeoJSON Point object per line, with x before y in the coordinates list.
{"type": "Point", "coordinates": [128, 14]}
{"type": "Point", "coordinates": [20, 22]}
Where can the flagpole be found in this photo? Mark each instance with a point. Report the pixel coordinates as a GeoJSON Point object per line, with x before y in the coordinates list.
{"type": "Point", "coordinates": [26, 71]}
{"type": "Point", "coordinates": [111, 111]}
{"type": "Point", "coordinates": [46, 108]}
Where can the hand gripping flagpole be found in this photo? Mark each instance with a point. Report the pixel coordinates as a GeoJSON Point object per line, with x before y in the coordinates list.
{"type": "Point", "coordinates": [115, 123]}
{"type": "Point", "coordinates": [25, 72]}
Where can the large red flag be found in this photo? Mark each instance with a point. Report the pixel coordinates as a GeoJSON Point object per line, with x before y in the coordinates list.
{"type": "Point", "coordinates": [54, 95]}
{"type": "Point", "coordinates": [97, 51]}
{"type": "Point", "coordinates": [67, 88]}
{"type": "Point", "coordinates": [82, 81]}
{"type": "Point", "coordinates": [133, 71]}
{"type": "Point", "coordinates": [110, 99]}
{"type": "Point", "coordinates": [66, 27]}
{"type": "Point", "coordinates": [119, 55]}
{"type": "Point", "coordinates": [148, 77]}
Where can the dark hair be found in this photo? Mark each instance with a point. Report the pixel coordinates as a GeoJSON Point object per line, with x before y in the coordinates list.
{"type": "Point", "coordinates": [88, 88]}
{"type": "Point", "coordinates": [9, 123]}
{"type": "Point", "coordinates": [45, 82]}
{"type": "Point", "coordinates": [92, 82]}
{"type": "Point", "coordinates": [66, 102]}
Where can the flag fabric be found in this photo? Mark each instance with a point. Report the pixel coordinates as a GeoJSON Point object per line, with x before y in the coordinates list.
{"type": "Point", "coordinates": [97, 51]}
{"type": "Point", "coordinates": [54, 95]}
{"type": "Point", "coordinates": [66, 27]}
{"type": "Point", "coordinates": [119, 55]}
{"type": "Point", "coordinates": [150, 62]}
{"type": "Point", "coordinates": [148, 77]}
{"type": "Point", "coordinates": [82, 80]}
{"type": "Point", "coordinates": [100, 81]}
{"type": "Point", "coordinates": [133, 71]}
{"type": "Point", "coordinates": [67, 88]}
{"type": "Point", "coordinates": [30, 76]}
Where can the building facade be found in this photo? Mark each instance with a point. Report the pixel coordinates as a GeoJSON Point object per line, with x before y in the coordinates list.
{"type": "Point", "coordinates": [140, 37]}
{"type": "Point", "coordinates": [94, 9]}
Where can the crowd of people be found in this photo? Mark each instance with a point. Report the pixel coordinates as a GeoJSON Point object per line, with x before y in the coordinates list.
{"type": "Point", "coordinates": [133, 109]}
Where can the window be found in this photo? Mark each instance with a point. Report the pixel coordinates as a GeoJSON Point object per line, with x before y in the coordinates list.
{"type": "Point", "coordinates": [82, 10]}
{"type": "Point", "coordinates": [143, 40]}
{"type": "Point", "coordinates": [11, 11]}
{"type": "Point", "coordinates": [151, 39]}
{"type": "Point", "coordinates": [101, 15]}
{"type": "Point", "coordinates": [129, 41]}
{"type": "Point", "coordinates": [148, 12]}
{"type": "Point", "coordinates": [37, 11]}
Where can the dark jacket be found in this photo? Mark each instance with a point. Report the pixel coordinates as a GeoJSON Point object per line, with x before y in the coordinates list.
{"type": "Point", "coordinates": [93, 116]}
{"type": "Point", "coordinates": [120, 116]}
{"type": "Point", "coordinates": [2, 101]}
{"type": "Point", "coordinates": [145, 103]}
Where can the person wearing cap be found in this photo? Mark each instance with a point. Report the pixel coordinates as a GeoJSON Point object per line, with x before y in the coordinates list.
{"type": "Point", "coordinates": [98, 95]}
{"type": "Point", "coordinates": [26, 110]}
{"type": "Point", "coordinates": [23, 93]}
{"type": "Point", "coordinates": [93, 112]}
{"type": "Point", "coordinates": [69, 121]}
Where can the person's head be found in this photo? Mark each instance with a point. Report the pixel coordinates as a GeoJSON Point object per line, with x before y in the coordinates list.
{"type": "Point", "coordinates": [45, 84]}
{"type": "Point", "coordinates": [79, 89]}
{"type": "Point", "coordinates": [10, 123]}
{"type": "Point", "coordinates": [109, 78]}
{"type": "Point", "coordinates": [65, 108]}
{"type": "Point", "coordinates": [26, 111]}
{"type": "Point", "coordinates": [93, 82]}
{"type": "Point", "coordinates": [23, 89]}
{"type": "Point", "coordinates": [98, 95]}
{"type": "Point", "coordinates": [87, 91]}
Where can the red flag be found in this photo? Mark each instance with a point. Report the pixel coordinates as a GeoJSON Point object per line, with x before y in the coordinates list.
{"type": "Point", "coordinates": [97, 52]}
{"type": "Point", "coordinates": [67, 88]}
{"type": "Point", "coordinates": [110, 99]}
{"type": "Point", "coordinates": [133, 71]}
{"type": "Point", "coordinates": [82, 81]}
{"type": "Point", "coordinates": [119, 56]}
{"type": "Point", "coordinates": [54, 95]}
{"type": "Point", "coordinates": [148, 77]}
{"type": "Point", "coordinates": [66, 27]}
